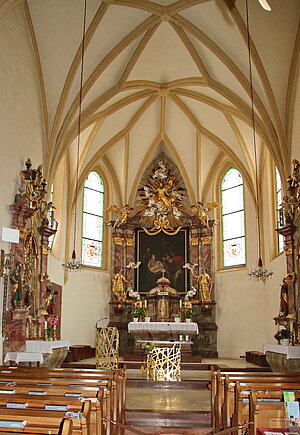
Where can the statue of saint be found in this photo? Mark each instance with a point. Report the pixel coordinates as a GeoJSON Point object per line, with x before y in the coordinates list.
{"type": "Point", "coordinates": [118, 286]}
{"type": "Point", "coordinates": [205, 284]}
{"type": "Point", "coordinates": [16, 286]}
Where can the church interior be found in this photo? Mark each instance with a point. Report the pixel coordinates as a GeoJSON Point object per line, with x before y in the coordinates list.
{"type": "Point", "coordinates": [150, 208]}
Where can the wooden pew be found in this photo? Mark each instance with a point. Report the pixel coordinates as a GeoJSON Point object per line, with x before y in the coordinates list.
{"type": "Point", "coordinates": [61, 379]}
{"type": "Point", "coordinates": [65, 428]}
{"type": "Point", "coordinates": [47, 421]}
{"type": "Point", "coordinates": [118, 396]}
{"type": "Point", "coordinates": [265, 414]}
{"type": "Point", "coordinates": [222, 407]}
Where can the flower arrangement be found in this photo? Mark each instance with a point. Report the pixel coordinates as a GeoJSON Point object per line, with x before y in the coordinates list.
{"type": "Point", "coordinates": [49, 326]}
{"type": "Point", "coordinates": [137, 312]}
{"type": "Point", "coordinates": [282, 334]}
{"type": "Point", "coordinates": [147, 346]}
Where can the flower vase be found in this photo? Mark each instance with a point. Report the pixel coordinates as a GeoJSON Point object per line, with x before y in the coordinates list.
{"type": "Point", "coordinates": [177, 319]}
{"type": "Point", "coordinates": [135, 319]}
{"type": "Point", "coordinates": [147, 319]}
{"type": "Point", "coordinates": [187, 320]}
{"type": "Point", "coordinates": [284, 341]}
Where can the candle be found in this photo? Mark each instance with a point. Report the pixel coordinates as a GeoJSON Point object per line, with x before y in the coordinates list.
{"type": "Point", "coordinates": [180, 303]}
{"type": "Point", "coordinates": [145, 303]}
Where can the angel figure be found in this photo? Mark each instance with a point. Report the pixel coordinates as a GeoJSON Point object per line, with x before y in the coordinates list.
{"type": "Point", "coordinates": [123, 213]}
{"type": "Point", "coordinates": [201, 212]}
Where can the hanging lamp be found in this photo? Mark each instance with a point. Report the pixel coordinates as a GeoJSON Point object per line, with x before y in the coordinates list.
{"type": "Point", "coordinates": [74, 263]}
{"type": "Point", "coordinates": [259, 272]}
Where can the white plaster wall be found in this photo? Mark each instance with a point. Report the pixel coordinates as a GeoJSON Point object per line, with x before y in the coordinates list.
{"type": "Point", "coordinates": [86, 298]}
{"type": "Point", "coordinates": [20, 112]}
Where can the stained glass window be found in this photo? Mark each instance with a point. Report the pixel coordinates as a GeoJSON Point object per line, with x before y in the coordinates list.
{"type": "Point", "coordinates": [233, 226]}
{"type": "Point", "coordinates": [279, 212]}
{"type": "Point", "coordinates": [92, 222]}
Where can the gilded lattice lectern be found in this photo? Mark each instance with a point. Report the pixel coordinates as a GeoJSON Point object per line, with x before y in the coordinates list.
{"type": "Point", "coordinates": [107, 348]}
{"type": "Point", "coordinates": [164, 363]}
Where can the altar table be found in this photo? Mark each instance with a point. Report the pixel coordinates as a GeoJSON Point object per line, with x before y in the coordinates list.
{"type": "Point", "coordinates": [283, 358]}
{"type": "Point", "coordinates": [45, 346]}
{"type": "Point", "coordinates": [19, 357]}
{"type": "Point", "coordinates": [160, 331]}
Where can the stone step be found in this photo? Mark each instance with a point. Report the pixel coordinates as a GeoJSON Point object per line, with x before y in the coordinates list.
{"type": "Point", "coordinates": [179, 385]}
{"type": "Point", "coordinates": [176, 419]}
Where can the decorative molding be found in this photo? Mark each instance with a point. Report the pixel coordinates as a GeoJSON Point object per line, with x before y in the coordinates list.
{"type": "Point", "coordinates": [206, 240]}
{"type": "Point", "coordinates": [118, 240]}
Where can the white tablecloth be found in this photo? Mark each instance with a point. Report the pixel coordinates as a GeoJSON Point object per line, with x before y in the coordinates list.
{"type": "Point", "coordinates": [45, 346]}
{"type": "Point", "coordinates": [180, 328]}
{"type": "Point", "coordinates": [289, 351]}
{"type": "Point", "coordinates": [24, 357]}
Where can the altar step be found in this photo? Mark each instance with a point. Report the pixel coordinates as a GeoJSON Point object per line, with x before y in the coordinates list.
{"type": "Point", "coordinates": [179, 385]}
{"type": "Point", "coordinates": [172, 419]}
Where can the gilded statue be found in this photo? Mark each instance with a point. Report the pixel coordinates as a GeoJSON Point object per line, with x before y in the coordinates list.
{"type": "Point", "coordinates": [201, 211]}
{"type": "Point", "coordinates": [205, 285]}
{"type": "Point", "coordinates": [16, 286]}
{"type": "Point", "coordinates": [123, 213]}
{"type": "Point", "coordinates": [118, 286]}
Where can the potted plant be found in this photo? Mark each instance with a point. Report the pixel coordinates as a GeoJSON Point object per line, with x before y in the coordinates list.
{"type": "Point", "coordinates": [283, 336]}
{"type": "Point", "coordinates": [136, 313]}
{"type": "Point", "coordinates": [177, 317]}
{"type": "Point", "coordinates": [188, 315]}
{"type": "Point", "coordinates": [147, 317]}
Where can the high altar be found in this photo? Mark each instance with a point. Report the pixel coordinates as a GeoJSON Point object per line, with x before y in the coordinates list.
{"type": "Point", "coordinates": [162, 251]}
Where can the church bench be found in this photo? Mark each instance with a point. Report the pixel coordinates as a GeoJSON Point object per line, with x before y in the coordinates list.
{"type": "Point", "coordinates": [265, 414]}
{"type": "Point", "coordinates": [217, 389]}
{"type": "Point", "coordinates": [267, 391]}
{"type": "Point", "coordinates": [59, 377]}
{"type": "Point", "coordinates": [65, 428]}
{"type": "Point", "coordinates": [47, 420]}
{"type": "Point", "coordinates": [68, 403]}
{"type": "Point", "coordinates": [229, 399]}
{"type": "Point", "coordinates": [109, 399]}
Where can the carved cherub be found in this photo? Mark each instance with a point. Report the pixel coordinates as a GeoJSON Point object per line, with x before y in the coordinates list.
{"type": "Point", "coordinates": [123, 213]}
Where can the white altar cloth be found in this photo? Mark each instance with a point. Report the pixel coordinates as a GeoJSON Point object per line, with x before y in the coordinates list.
{"type": "Point", "coordinates": [24, 357]}
{"type": "Point", "coordinates": [45, 346]}
{"type": "Point", "coordinates": [289, 351]}
{"type": "Point", "coordinates": [179, 328]}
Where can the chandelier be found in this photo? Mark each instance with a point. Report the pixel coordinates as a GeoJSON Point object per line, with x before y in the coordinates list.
{"type": "Point", "coordinates": [259, 272]}
{"type": "Point", "coordinates": [74, 264]}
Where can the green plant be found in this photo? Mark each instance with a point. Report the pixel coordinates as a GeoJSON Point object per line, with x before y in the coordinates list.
{"type": "Point", "coordinates": [188, 314]}
{"type": "Point", "coordinates": [282, 334]}
{"type": "Point", "coordinates": [176, 314]}
{"type": "Point", "coordinates": [146, 313]}
{"type": "Point", "coordinates": [137, 312]}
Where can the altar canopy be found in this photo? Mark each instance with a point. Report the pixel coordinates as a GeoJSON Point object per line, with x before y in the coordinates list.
{"type": "Point", "coordinates": [162, 247]}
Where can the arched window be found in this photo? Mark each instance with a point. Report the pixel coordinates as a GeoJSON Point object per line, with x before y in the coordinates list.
{"type": "Point", "coordinates": [92, 223]}
{"type": "Point", "coordinates": [279, 210]}
{"type": "Point", "coordinates": [233, 227]}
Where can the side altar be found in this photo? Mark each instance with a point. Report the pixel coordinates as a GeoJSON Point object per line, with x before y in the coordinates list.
{"type": "Point", "coordinates": [162, 252]}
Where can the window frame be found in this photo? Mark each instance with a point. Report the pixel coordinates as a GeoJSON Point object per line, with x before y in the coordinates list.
{"type": "Point", "coordinates": [242, 212]}
{"type": "Point", "coordinates": [101, 217]}
{"type": "Point", "coordinates": [278, 211]}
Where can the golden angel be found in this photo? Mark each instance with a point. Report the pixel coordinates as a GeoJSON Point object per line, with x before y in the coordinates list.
{"type": "Point", "coordinates": [123, 213]}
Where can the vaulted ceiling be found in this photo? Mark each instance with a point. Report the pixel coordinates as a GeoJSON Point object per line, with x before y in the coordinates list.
{"type": "Point", "coordinates": [168, 76]}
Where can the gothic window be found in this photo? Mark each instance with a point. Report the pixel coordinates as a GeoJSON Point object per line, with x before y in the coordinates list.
{"type": "Point", "coordinates": [233, 226]}
{"type": "Point", "coordinates": [279, 214]}
{"type": "Point", "coordinates": [92, 223]}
